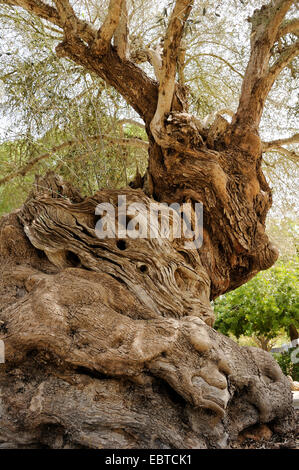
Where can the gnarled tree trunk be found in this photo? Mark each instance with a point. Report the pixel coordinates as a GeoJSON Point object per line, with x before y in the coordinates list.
{"type": "Point", "coordinates": [110, 342]}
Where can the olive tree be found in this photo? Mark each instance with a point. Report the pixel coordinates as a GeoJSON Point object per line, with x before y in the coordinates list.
{"type": "Point", "coordinates": [110, 341]}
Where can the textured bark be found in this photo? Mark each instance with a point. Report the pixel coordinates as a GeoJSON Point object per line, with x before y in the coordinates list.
{"type": "Point", "coordinates": [110, 343]}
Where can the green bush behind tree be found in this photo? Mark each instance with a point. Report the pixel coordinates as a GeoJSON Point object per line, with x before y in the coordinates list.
{"type": "Point", "coordinates": [287, 365]}
{"type": "Point", "coordinates": [262, 308]}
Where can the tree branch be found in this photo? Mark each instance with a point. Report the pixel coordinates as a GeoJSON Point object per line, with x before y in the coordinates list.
{"type": "Point", "coordinates": [290, 154]}
{"type": "Point", "coordinates": [171, 51]}
{"type": "Point", "coordinates": [286, 56]}
{"type": "Point", "coordinates": [274, 143]}
{"type": "Point", "coordinates": [131, 142]}
{"type": "Point", "coordinates": [216, 57]}
{"type": "Point", "coordinates": [130, 121]}
{"type": "Point", "coordinates": [257, 83]}
{"type": "Point", "coordinates": [108, 28]}
{"type": "Point", "coordinates": [46, 12]}
{"type": "Point", "coordinates": [121, 33]}
{"type": "Point", "coordinates": [288, 26]}
{"type": "Point", "coordinates": [129, 80]}
{"type": "Point", "coordinates": [68, 18]}
{"type": "Point", "coordinates": [276, 146]}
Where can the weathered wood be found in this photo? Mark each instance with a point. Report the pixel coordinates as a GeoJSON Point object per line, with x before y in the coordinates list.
{"type": "Point", "coordinates": [111, 345]}
{"type": "Point", "coordinates": [109, 342]}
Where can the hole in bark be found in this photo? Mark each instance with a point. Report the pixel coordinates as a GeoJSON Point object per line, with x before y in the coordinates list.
{"type": "Point", "coordinates": [40, 253]}
{"type": "Point", "coordinates": [91, 373]}
{"type": "Point", "coordinates": [50, 434]}
{"type": "Point", "coordinates": [73, 331]}
{"type": "Point", "coordinates": [72, 258]}
{"type": "Point", "coordinates": [20, 292]}
{"type": "Point", "coordinates": [186, 257]}
{"type": "Point", "coordinates": [32, 353]}
{"type": "Point", "coordinates": [121, 244]}
{"type": "Point", "coordinates": [3, 327]}
{"type": "Point", "coordinates": [165, 389]}
{"type": "Point", "coordinates": [143, 268]}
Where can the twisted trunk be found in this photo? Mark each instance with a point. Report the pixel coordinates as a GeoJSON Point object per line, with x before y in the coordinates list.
{"type": "Point", "coordinates": [109, 342]}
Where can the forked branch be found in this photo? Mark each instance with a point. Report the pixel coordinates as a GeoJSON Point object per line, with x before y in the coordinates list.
{"type": "Point", "coordinates": [129, 80]}
{"type": "Point", "coordinates": [277, 145]}
{"type": "Point", "coordinates": [171, 52]}
{"type": "Point", "coordinates": [259, 77]}
{"type": "Point", "coordinates": [286, 56]}
{"type": "Point", "coordinates": [108, 28]}
{"type": "Point", "coordinates": [67, 17]}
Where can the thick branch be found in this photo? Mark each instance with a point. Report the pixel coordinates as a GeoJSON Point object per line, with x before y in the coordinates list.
{"type": "Point", "coordinates": [263, 86]}
{"type": "Point", "coordinates": [154, 57]}
{"type": "Point", "coordinates": [68, 17]}
{"type": "Point", "coordinates": [171, 51]}
{"type": "Point", "coordinates": [255, 87]}
{"type": "Point", "coordinates": [108, 27]}
{"type": "Point", "coordinates": [121, 33]}
{"type": "Point", "coordinates": [130, 81]}
{"type": "Point", "coordinates": [36, 7]}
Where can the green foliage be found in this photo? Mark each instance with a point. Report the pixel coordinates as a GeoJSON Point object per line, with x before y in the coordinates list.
{"type": "Point", "coordinates": [46, 103]}
{"type": "Point", "coordinates": [286, 364]}
{"type": "Point", "coordinates": [40, 94]}
{"type": "Point", "coordinates": [262, 307]}
{"type": "Point", "coordinates": [89, 163]}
